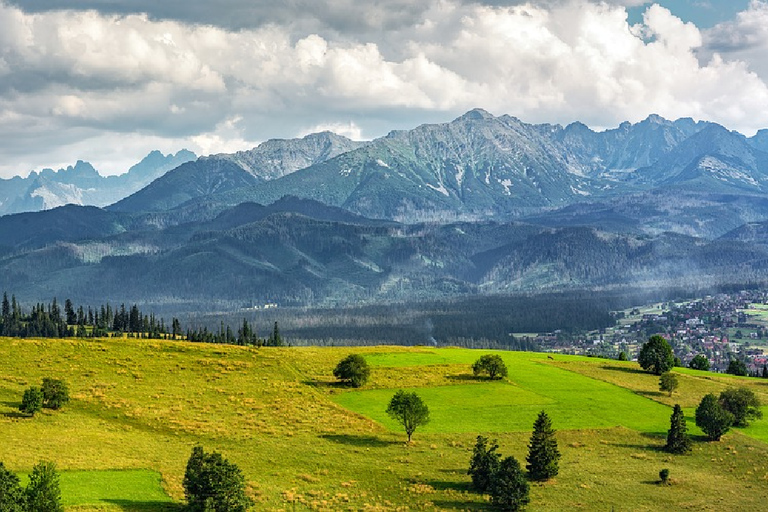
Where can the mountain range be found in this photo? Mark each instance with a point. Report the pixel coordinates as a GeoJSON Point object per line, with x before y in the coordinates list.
{"type": "Point", "coordinates": [480, 205]}
{"type": "Point", "coordinates": [82, 184]}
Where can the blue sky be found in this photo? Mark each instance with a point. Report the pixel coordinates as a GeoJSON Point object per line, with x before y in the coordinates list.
{"type": "Point", "coordinates": [703, 13]}
{"type": "Point", "coordinates": [108, 81]}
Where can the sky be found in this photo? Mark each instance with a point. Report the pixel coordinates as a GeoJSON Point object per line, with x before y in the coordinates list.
{"type": "Point", "coordinates": [107, 81]}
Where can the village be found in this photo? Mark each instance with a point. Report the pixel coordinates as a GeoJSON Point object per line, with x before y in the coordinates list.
{"type": "Point", "coordinates": [720, 327]}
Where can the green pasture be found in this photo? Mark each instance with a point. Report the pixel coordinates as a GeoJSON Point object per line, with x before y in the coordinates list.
{"type": "Point", "coordinates": [573, 401]}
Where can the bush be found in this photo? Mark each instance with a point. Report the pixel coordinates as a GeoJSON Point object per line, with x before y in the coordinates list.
{"type": "Point", "coordinates": [656, 356]}
{"type": "Point", "coordinates": [492, 364]}
{"type": "Point", "coordinates": [32, 401]}
{"type": "Point", "coordinates": [664, 476]}
{"type": "Point", "coordinates": [55, 393]}
{"type": "Point", "coordinates": [484, 463]}
{"type": "Point", "coordinates": [509, 488]}
{"type": "Point", "coordinates": [712, 418]}
{"type": "Point", "coordinates": [353, 369]}
{"type": "Point", "coordinates": [43, 493]}
{"type": "Point", "coordinates": [11, 493]}
{"type": "Point", "coordinates": [213, 484]}
{"type": "Point", "coordinates": [668, 382]}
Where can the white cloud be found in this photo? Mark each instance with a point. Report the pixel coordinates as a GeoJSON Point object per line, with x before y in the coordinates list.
{"type": "Point", "coordinates": [75, 76]}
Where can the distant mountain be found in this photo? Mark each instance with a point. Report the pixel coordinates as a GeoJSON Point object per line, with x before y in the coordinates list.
{"type": "Point", "coordinates": [481, 167]}
{"type": "Point", "coordinates": [81, 184]}
{"type": "Point", "coordinates": [222, 173]}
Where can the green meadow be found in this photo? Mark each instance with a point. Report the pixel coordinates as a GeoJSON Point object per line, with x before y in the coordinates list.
{"type": "Point", "coordinates": [305, 443]}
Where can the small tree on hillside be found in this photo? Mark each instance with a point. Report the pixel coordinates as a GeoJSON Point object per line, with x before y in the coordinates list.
{"type": "Point", "coordinates": [275, 340]}
{"type": "Point", "coordinates": [668, 382]}
{"type": "Point", "coordinates": [656, 355]}
{"type": "Point", "coordinates": [712, 418]}
{"type": "Point", "coordinates": [32, 401]}
{"type": "Point", "coordinates": [55, 393]}
{"type": "Point", "coordinates": [737, 367]}
{"type": "Point", "coordinates": [492, 364]}
{"type": "Point", "coordinates": [743, 404]}
{"type": "Point", "coordinates": [353, 369]}
{"type": "Point", "coordinates": [409, 410]}
{"type": "Point", "coordinates": [677, 437]}
{"type": "Point", "coordinates": [509, 488]}
{"type": "Point", "coordinates": [213, 484]}
{"type": "Point", "coordinates": [11, 493]}
{"type": "Point", "coordinates": [484, 463]}
{"type": "Point", "coordinates": [622, 356]}
{"type": "Point", "coordinates": [543, 455]}
{"type": "Point", "coordinates": [699, 362]}
{"type": "Point", "coordinates": [43, 493]}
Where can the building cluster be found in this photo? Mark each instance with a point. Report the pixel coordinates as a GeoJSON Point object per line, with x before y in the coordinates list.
{"type": "Point", "coordinates": [720, 327]}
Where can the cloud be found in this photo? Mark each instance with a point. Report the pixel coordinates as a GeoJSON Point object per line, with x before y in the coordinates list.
{"type": "Point", "coordinates": [71, 79]}
{"type": "Point", "coordinates": [744, 38]}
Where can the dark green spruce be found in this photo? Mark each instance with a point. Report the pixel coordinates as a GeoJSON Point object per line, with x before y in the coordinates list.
{"type": "Point", "coordinates": [543, 456]}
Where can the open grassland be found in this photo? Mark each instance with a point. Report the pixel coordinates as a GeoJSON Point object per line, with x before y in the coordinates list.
{"type": "Point", "coordinates": [306, 444]}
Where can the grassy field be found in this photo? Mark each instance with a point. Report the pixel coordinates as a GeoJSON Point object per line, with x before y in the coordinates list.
{"type": "Point", "coordinates": [306, 444]}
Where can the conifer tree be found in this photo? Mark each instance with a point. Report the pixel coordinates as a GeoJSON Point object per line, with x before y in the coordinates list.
{"type": "Point", "coordinates": [484, 463]}
{"type": "Point", "coordinates": [677, 438]}
{"type": "Point", "coordinates": [509, 489]}
{"type": "Point", "coordinates": [543, 455]}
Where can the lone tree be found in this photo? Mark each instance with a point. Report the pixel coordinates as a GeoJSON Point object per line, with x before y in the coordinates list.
{"type": "Point", "coordinates": [32, 401]}
{"type": "Point", "coordinates": [42, 492]}
{"type": "Point", "coordinates": [55, 393]}
{"type": "Point", "coordinates": [656, 355]}
{"type": "Point", "coordinates": [668, 382]}
{"type": "Point", "coordinates": [543, 455]}
{"type": "Point", "coordinates": [712, 418]}
{"type": "Point", "coordinates": [484, 463]}
{"type": "Point", "coordinates": [509, 488]}
{"type": "Point", "coordinates": [353, 370]}
{"type": "Point", "coordinates": [743, 404]}
{"type": "Point", "coordinates": [737, 367]}
{"type": "Point", "coordinates": [677, 437]}
{"type": "Point", "coordinates": [492, 364]}
{"type": "Point", "coordinates": [699, 362]}
{"type": "Point", "coordinates": [408, 410]}
{"type": "Point", "coordinates": [213, 484]}
{"type": "Point", "coordinates": [11, 493]}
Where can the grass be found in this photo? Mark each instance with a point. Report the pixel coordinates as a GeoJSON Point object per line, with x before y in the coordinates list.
{"type": "Point", "coordinates": [139, 406]}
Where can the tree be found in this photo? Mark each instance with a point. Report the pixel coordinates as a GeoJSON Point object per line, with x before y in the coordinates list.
{"type": "Point", "coordinates": [712, 418]}
{"type": "Point", "coordinates": [32, 401]}
{"type": "Point", "coordinates": [213, 484]}
{"type": "Point", "coordinates": [664, 476]}
{"type": "Point", "coordinates": [43, 493]}
{"type": "Point", "coordinates": [737, 367]}
{"type": "Point", "coordinates": [699, 362]}
{"type": "Point", "coordinates": [492, 364]}
{"type": "Point", "coordinates": [668, 382]}
{"type": "Point", "coordinates": [656, 355]}
{"type": "Point", "coordinates": [55, 393]}
{"type": "Point", "coordinates": [11, 493]}
{"type": "Point", "coordinates": [353, 369]}
{"type": "Point", "coordinates": [543, 455]}
{"type": "Point", "coordinates": [275, 340]}
{"type": "Point", "coordinates": [677, 437]}
{"type": "Point", "coordinates": [408, 410]}
{"type": "Point", "coordinates": [509, 488]}
{"type": "Point", "coordinates": [484, 463]}
{"type": "Point", "coordinates": [623, 356]}
{"type": "Point", "coordinates": [742, 403]}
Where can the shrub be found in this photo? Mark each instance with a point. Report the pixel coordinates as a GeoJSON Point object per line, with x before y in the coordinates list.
{"type": "Point", "coordinates": [32, 401]}
{"type": "Point", "coordinates": [664, 476]}
{"type": "Point", "coordinates": [353, 369]}
{"type": "Point", "coordinates": [55, 393]}
{"type": "Point", "coordinates": [712, 418]}
{"type": "Point", "coordinates": [484, 463]}
{"type": "Point", "coordinates": [213, 484]}
{"type": "Point", "coordinates": [492, 364]}
{"type": "Point", "coordinates": [668, 382]}
{"type": "Point", "coordinates": [509, 488]}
